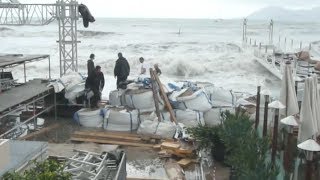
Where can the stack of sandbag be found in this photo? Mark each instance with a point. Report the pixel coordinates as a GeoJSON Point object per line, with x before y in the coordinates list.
{"type": "Point", "coordinates": [141, 99]}
{"type": "Point", "coordinates": [164, 129]}
{"type": "Point", "coordinates": [197, 101]}
{"type": "Point", "coordinates": [189, 117]}
{"type": "Point", "coordinates": [89, 118]}
{"type": "Point", "coordinates": [117, 98]}
{"type": "Point", "coordinates": [220, 97]}
{"type": "Point", "coordinates": [120, 119]}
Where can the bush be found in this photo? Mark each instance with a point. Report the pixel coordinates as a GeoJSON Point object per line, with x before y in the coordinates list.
{"type": "Point", "coordinates": [46, 170]}
{"type": "Point", "coordinates": [246, 151]}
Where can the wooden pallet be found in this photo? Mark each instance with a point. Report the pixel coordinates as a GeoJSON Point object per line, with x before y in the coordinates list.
{"type": "Point", "coordinates": [116, 138]}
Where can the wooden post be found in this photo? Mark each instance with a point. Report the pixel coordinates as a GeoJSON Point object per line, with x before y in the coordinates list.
{"type": "Point", "coordinates": [265, 119]}
{"type": "Point", "coordinates": [257, 107]}
{"type": "Point", "coordinates": [166, 100]}
{"type": "Point", "coordinates": [287, 158]}
{"type": "Point", "coordinates": [155, 94]}
{"type": "Point", "coordinates": [275, 137]}
{"type": "Point", "coordinates": [308, 170]}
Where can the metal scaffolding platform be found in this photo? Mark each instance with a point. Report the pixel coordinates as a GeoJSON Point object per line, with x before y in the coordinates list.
{"type": "Point", "coordinates": [65, 11]}
{"type": "Point", "coordinates": [26, 14]}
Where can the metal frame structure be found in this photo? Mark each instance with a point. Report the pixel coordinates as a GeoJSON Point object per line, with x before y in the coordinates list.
{"type": "Point", "coordinates": [26, 14]}
{"type": "Point", "coordinates": [34, 102]}
{"type": "Point", "coordinates": [246, 26]}
{"type": "Point", "coordinates": [65, 11]}
{"type": "Point", "coordinates": [67, 15]}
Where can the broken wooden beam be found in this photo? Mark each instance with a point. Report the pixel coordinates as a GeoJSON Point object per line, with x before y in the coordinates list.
{"type": "Point", "coordinates": [105, 141]}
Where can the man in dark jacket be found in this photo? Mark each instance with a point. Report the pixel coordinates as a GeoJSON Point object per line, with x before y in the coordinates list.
{"type": "Point", "coordinates": [121, 70]}
{"type": "Point", "coordinates": [90, 64]}
{"type": "Point", "coordinates": [95, 82]}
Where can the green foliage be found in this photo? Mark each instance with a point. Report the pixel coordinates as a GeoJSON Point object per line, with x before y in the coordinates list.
{"type": "Point", "coordinates": [247, 152]}
{"type": "Point", "coordinates": [46, 170]}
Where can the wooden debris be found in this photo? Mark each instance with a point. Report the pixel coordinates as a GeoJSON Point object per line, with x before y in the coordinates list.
{"type": "Point", "coordinates": [185, 162]}
{"type": "Point", "coordinates": [157, 147]}
{"type": "Point", "coordinates": [170, 145]}
{"type": "Point", "coordinates": [41, 131]}
{"type": "Point", "coordinates": [104, 141]}
{"type": "Point", "coordinates": [184, 151]}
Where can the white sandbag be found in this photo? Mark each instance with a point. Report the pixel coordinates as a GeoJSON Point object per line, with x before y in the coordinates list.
{"type": "Point", "coordinates": [213, 116]}
{"type": "Point", "coordinates": [220, 97]}
{"type": "Point", "coordinates": [75, 91]}
{"type": "Point", "coordinates": [166, 130]}
{"type": "Point", "coordinates": [89, 118]}
{"type": "Point", "coordinates": [189, 117]}
{"type": "Point", "coordinates": [141, 99]}
{"type": "Point", "coordinates": [198, 101]}
{"type": "Point", "coordinates": [148, 127]}
{"type": "Point", "coordinates": [117, 98]}
{"type": "Point", "coordinates": [120, 119]}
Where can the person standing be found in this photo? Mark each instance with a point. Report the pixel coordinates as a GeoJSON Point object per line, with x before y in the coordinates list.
{"type": "Point", "coordinates": [121, 69]}
{"type": "Point", "coordinates": [142, 67]}
{"type": "Point", "coordinates": [95, 82]}
{"type": "Point", "coordinates": [90, 64]}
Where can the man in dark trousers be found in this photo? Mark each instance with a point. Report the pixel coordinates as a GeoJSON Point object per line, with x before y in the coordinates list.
{"type": "Point", "coordinates": [121, 70]}
{"type": "Point", "coordinates": [95, 82]}
{"type": "Point", "coordinates": [90, 64]}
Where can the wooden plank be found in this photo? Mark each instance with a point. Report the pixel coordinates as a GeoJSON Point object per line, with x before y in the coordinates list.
{"type": "Point", "coordinates": [41, 131]}
{"type": "Point", "coordinates": [166, 100]}
{"type": "Point", "coordinates": [170, 145]}
{"type": "Point", "coordinates": [102, 141]}
{"type": "Point", "coordinates": [121, 133]}
{"type": "Point", "coordinates": [155, 94]}
{"type": "Point", "coordinates": [157, 147]}
{"type": "Point", "coordinates": [184, 151]}
{"type": "Point", "coordinates": [106, 135]}
{"type": "Point", "coordinates": [185, 162]}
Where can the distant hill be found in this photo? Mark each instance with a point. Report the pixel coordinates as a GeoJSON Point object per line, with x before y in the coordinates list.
{"type": "Point", "coordinates": [282, 14]}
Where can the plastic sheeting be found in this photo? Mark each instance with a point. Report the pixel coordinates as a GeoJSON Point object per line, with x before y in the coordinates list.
{"type": "Point", "coordinates": [75, 91]}
{"type": "Point", "coordinates": [67, 81]}
{"type": "Point", "coordinates": [198, 101]}
{"type": "Point", "coordinates": [120, 119]}
{"type": "Point", "coordinates": [89, 118]}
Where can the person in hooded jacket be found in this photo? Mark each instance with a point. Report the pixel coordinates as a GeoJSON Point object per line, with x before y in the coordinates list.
{"type": "Point", "coordinates": [95, 82]}
{"type": "Point", "coordinates": [121, 69]}
{"type": "Point", "coordinates": [90, 64]}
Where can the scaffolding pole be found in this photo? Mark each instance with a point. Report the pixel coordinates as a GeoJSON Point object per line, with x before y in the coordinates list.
{"type": "Point", "coordinates": [67, 16]}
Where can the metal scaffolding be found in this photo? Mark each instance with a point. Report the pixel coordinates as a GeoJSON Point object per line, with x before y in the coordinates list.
{"type": "Point", "coordinates": [65, 11]}
{"type": "Point", "coordinates": [67, 16]}
{"type": "Point", "coordinates": [26, 14]}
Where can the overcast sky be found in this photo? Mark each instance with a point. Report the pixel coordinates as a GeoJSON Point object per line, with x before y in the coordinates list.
{"type": "Point", "coordinates": [184, 8]}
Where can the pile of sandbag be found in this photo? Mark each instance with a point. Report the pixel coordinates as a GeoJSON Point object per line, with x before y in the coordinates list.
{"type": "Point", "coordinates": [120, 119]}
{"type": "Point", "coordinates": [89, 118]}
{"type": "Point", "coordinates": [140, 99]}
{"type": "Point", "coordinates": [164, 129]}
